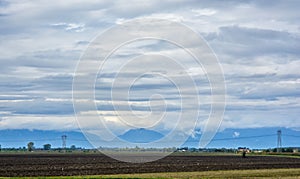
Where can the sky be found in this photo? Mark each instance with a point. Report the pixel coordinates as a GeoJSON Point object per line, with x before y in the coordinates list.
{"type": "Point", "coordinates": [256, 43]}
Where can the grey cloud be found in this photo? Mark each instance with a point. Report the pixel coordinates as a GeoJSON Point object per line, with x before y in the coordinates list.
{"type": "Point", "coordinates": [4, 3]}
{"type": "Point", "coordinates": [47, 83]}
{"type": "Point", "coordinates": [272, 91]}
{"type": "Point", "coordinates": [9, 84]}
{"type": "Point", "coordinates": [241, 42]}
{"type": "Point", "coordinates": [55, 58]}
{"type": "Point", "coordinates": [56, 83]}
{"type": "Point", "coordinates": [39, 106]}
{"type": "Point", "coordinates": [45, 62]}
{"type": "Point", "coordinates": [83, 42]}
{"type": "Point", "coordinates": [127, 10]}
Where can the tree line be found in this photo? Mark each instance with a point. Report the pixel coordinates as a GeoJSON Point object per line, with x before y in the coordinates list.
{"type": "Point", "coordinates": [31, 147]}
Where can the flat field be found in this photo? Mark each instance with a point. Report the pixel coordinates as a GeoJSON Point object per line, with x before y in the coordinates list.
{"type": "Point", "coordinates": [18, 165]}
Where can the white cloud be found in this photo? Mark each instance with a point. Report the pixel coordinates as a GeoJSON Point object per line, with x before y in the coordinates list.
{"type": "Point", "coordinates": [236, 134]}
{"type": "Point", "coordinates": [58, 100]}
{"type": "Point", "coordinates": [204, 12]}
{"type": "Point", "coordinates": [34, 122]}
{"type": "Point", "coordinates": [16, 100]}
{"type": "Point", "coordinates": [70, 26]}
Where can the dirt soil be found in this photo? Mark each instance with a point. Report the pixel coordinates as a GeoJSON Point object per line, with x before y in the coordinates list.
{"type": "Point", "coordinates": [97, 164]}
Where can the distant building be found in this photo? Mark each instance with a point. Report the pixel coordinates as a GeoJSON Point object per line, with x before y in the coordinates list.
{"type": "Point", "coordinates": [242, 149]}
{"type": "Point", "coordinates": [257, 151]}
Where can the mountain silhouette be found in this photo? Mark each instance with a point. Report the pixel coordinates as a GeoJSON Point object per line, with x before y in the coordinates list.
{"type": "Point", "coordinates": [141, 135]}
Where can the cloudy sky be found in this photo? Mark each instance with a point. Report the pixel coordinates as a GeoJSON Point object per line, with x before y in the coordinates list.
{"type": "Point", "coordinates": [256, 43]}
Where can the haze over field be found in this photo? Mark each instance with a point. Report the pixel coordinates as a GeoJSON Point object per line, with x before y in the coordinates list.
{"type": "Point", "coordinates": [256, 42]}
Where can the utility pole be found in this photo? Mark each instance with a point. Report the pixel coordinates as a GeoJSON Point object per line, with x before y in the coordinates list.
{"type": "Point", "coordinates": [279, 144]}
{"type": "Point", "coordinates": [64, 141]}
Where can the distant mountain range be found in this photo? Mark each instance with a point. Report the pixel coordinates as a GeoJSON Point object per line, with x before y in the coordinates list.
{"type": "Point", "coordinates": [141, 136]}
{"type": "Point", "coordinates": [228, 138]}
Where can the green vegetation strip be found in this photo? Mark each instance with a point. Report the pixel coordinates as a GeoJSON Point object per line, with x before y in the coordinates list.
{"type": "Point", "coordinates": [262, 173]}
{"type": "Point", "coordinates": [216, 174]}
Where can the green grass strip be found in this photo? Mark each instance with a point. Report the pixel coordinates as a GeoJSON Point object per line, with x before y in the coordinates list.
{"type": "Point", "coordinates": [261, 173]}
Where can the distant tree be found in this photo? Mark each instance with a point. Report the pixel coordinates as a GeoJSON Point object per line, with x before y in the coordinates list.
{"type": "Point", "coordinates": [30, 146]}
{"type": "Point", "coordinates": [47, 146]}
{"type": "Point", "coordinates": [73, 147]}
{"type": "Point", "coordinates": [136, 148]}
{"type": "Point", "coordinates": [288, 150]}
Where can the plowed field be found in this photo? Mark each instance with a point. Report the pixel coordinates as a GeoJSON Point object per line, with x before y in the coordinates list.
{"type": "Point", "coordinates": [97, 164]}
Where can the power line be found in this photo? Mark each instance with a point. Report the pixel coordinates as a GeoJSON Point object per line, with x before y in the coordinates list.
{"type": "Point", "coordinates": [70, 139]}
{"type": "Point", "coordinates": [85, 140]}
{"type": "Point", "coordinates": [23, 140]}
{"type": "Point", "coordinates": [38, 140]}
{"type": "Point", "coordinates": [287, 135]}
{"type": "Point", "coordinates": [246, 137]}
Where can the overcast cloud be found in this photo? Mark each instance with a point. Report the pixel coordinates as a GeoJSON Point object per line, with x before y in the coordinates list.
{"type": "Point", "coordinates": [256, 42]}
